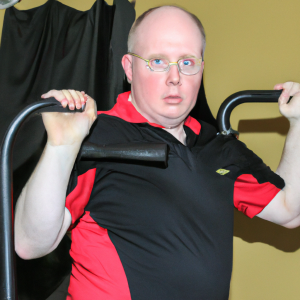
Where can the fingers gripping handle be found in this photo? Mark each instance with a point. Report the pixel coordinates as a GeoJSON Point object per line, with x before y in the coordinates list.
{"type": "Point", "coordinates": [57, 107]}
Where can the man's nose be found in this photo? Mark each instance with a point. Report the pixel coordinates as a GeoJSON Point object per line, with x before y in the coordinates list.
{"type": "Point", "coordinates": [173, 75]}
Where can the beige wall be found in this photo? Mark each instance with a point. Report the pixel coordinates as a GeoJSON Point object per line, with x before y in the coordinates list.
{"type": "Point", "coordinates": [250, 45]}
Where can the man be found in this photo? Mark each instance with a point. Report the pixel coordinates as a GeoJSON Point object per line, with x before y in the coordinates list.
{"type": "Point", "coordinates": [147, 232]}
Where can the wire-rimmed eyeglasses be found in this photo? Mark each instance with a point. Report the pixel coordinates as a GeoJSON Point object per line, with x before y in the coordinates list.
{"type": "Point", "coordinates": [187, 66]}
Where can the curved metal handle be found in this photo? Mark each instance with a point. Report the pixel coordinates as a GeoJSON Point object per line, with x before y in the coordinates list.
{"type": "Point", "coordinates": [223, 117]}
{"type": "Point", "coordinates": [4, 4]}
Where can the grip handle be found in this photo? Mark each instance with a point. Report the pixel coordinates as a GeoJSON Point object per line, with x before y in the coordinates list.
{"type": "Point", "coordinates": [251, 96]}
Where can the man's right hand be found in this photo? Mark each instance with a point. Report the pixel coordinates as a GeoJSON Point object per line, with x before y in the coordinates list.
{"type": "Point", "coordinates": [69, 128]}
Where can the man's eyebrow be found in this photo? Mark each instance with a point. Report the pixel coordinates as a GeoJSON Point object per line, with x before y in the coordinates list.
{"type": "Point", "coordinates": [188, 56]}
{"type": "Point", "coordinates": [159, 55]}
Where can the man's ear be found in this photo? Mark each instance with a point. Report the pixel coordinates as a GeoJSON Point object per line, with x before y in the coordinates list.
{"type": "Point", "coordinates": [127, 66]}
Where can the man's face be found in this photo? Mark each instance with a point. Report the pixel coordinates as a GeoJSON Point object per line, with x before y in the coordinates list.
{"type": "Point", "coordinates": [165, 98]}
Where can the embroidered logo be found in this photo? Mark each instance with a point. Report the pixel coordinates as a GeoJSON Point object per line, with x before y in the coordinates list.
{"type": "Point", "coordinates": [222, 171]}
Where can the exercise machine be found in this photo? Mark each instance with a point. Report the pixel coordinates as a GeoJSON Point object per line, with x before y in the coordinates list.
{"type": "Point", "coordinates": [136, 151]}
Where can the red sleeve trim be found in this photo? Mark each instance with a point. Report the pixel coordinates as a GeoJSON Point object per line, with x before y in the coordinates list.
{"type": "Point", "coordinates": [79, 197]}
{"type": "Point", "coordinates": [251, 197]}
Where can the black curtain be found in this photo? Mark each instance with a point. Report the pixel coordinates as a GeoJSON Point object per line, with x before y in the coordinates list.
{"type": "Point", "coordinates": [57, 47]}
{"type": "Point", "coordinates": [201, 110]}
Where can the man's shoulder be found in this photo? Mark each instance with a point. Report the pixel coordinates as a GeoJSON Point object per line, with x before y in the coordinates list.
{"type": "Point", "coordinates": [208, 132]}
{"type": "Point", "coordinates": [111, 129]}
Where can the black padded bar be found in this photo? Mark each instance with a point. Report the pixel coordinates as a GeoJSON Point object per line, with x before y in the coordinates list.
{"type": "Point", "coordinates": [130, 151]}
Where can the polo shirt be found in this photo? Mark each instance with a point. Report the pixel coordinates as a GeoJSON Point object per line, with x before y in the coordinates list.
{"type": "Point", "coordinates": [142, 230]}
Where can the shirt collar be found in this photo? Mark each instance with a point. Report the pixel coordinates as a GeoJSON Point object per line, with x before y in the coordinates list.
{"type": "Point", "coordinates": [125, 110]}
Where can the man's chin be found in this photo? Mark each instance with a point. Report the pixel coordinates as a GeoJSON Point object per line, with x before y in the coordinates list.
{"type": "Point", "coordinates": [175, 115]}
{"type": "Point", "coordinates": [171, 120]}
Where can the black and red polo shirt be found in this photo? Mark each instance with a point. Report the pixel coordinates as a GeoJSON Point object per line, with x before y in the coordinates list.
{"type": "Point", "coordinates": [143, 231]}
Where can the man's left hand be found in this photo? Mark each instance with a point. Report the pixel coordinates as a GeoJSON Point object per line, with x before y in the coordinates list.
{"type": "Point", "coordinates": [289, 109]}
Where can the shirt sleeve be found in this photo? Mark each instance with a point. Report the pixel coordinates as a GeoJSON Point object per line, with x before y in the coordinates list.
{"type": "Point", "coordinates": [251, 197]}
{"type": "Point", "coordinates": [254, 183]}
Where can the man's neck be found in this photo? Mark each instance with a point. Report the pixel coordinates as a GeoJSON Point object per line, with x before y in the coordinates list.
{"type": "Point", "coordinates": [177, 131]}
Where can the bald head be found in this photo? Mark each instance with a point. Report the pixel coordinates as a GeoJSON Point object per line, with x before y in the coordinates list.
{"type": "Point", "coordinates": [155, 18]}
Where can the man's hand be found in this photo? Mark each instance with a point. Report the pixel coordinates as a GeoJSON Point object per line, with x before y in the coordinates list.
{"type": "Point", "coordinates": [289, 109]}
{"type": "Point", "coordinates": [69, 128]}
{"type": "Point", "coordinates": [284, 209]}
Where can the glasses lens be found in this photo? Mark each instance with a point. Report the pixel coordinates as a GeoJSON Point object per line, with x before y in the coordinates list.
{"type": "Point", "coordinates": [159, 64]}
{"type": "Point", "coordinates": [189, 66]}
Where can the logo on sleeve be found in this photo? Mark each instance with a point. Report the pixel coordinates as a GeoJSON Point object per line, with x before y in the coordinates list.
{"type": "Point", "coordinates": [222, 171]}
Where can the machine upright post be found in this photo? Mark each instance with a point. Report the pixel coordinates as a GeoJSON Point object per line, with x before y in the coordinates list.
{"type": "Point", "coordinates": [7, 253]}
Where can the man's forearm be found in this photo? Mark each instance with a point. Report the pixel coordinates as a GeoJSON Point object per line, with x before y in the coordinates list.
{"type": "Point", "coordinates": [40, 211]}
{"type": "Point", "coordinates": [289, 169]}
{"type": "Point", "coordinates": [284, 209]}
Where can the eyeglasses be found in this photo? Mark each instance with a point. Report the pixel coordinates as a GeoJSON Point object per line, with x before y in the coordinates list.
{"type": "Point", "coordinates": [187, 66]}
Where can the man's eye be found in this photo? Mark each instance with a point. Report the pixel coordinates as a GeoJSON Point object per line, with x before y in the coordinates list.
{"type": "Point", "coordinates": [158, 61]}
{"type": "Point", "coordinates": [188, 62]}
